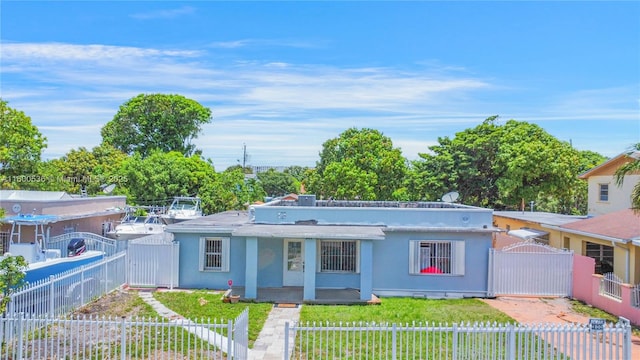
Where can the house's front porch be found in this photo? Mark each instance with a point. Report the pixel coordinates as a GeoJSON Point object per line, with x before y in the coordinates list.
{"type": "Point", "coordinates": [294, 295]}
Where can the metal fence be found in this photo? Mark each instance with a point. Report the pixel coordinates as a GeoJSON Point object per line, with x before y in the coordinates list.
{"type": "Point", "coordinates": [467, 341]}
{"type": "Point", "coordinates": [635, 296]}
{"type": "Point", "coordinates": [154, 261]}
{"type": "Point", "coordinates": [66, 291]}
{"type": "Point", "coordinates": [611, 285]}
{"type": "Point", "coordinates": [530, 268]}
{"type": "Point", "coordinates": [93, 242]}
{"type": "Point", "coordinates": [92, 337]}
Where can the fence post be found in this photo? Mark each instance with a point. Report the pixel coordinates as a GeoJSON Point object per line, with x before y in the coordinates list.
{"type": "Point", "coordinates": [83, 268]}
{"type": "Point", "coordinates": [286, 340]}
{"type": "Point", "coordinates": [512, 342]}
{"type": "Point", "coordinates": [51, 295]}
{"type": "Point", "coordinates": [454, 344]}
{"type": "Point", "coordinates": [20, 338]}
{"type": "Point", "coordinates": [230, 354]}
{"type": "Point", "coordinates": [393, 341]}
{"type": "Point", "coordinates": [123, 340]}
{"type": "Point", "coordinates": [627, 336]}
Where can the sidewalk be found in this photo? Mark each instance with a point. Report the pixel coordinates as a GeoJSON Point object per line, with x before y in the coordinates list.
{"type": "Point", "coordinates": [270, 342]}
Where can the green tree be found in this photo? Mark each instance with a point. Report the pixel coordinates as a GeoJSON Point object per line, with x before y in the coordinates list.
{"type": "Point", "coordinates": [156, 179]}
{"type": "Point", "coordinates": [150, 122]}
{"type": "Point", "coordinates": [21, 145]}
{"type": "Point", "coordinates": [629, 168]}
{"type": "Point", "coordinates": [12, 272]}
{"type": "Point", "coordinates": [465, 164]}
{"type": "Point", "coordinates": [83, 168]}
{"type": "Point", "coordinates": [532, 162]}
{"type": "Point", "coordinates": [500, 166]}
{"type": "Point", "coordinates": [363, 154]}
{"type": "Point", "coordinates": [232, 190]}
{"type": "Point", "coordinates": [277, 183]}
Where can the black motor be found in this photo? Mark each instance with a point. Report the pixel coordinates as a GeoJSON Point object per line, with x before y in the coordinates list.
{"type": "Point", "coordinates": [76, 247]}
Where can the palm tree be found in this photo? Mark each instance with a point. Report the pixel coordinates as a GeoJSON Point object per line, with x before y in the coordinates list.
{"type": "Point", "coordinates": [632, 167]}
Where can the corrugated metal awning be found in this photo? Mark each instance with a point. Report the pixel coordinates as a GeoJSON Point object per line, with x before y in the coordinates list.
{"type": "Point", "coordinates": [336, 232]}
{"type": "Point", "coordinates": [528, 234]}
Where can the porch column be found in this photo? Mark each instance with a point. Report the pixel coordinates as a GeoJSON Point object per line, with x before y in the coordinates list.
{"type": "Point", "coordinates": [366, 269]}
{"type": "Point", "coordinates": [309, 292]}
{"type": "Point", "coordinates": [251, 269]}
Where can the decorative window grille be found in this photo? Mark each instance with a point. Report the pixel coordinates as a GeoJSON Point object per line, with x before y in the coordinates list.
{"type": "Point", "coordinates": [214, 254]}
{"type": "Point", "coordinates": [435, 257]}
{"type": "Point", "coordinates": [339, 256]}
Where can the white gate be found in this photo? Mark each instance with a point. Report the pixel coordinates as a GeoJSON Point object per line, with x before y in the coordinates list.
{"type": "Point", "coordinates": [153, 261]}
{"type": "Point", "coordinates": [530, 268]}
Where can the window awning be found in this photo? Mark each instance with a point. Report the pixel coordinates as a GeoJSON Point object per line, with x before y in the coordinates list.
{"type": "Point", "coordinates": [335, 232]}
{"type": "Point", "coordinates": [528, 234]}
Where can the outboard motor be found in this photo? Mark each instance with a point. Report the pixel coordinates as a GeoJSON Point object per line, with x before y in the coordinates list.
{"type": "Point", "coordinates": [76, 247]}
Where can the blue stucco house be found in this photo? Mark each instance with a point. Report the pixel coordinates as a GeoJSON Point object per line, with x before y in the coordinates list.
{"type": "Point", "coordinates": [372, 248]}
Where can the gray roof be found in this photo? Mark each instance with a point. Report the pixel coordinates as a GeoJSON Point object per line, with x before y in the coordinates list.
{"type": "Point", "coordinates": [337, 232]}
{"type": "Point", "coordinates": [224, 221]}
{"type": "Point", "coordinates": [540, 217]}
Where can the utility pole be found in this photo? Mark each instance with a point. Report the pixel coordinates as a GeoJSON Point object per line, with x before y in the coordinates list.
{"type": "Point", "coordinates": [244, 155]}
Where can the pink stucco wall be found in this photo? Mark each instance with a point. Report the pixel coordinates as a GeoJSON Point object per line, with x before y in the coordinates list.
{"type": "Point", "coordinates": [586, 288]}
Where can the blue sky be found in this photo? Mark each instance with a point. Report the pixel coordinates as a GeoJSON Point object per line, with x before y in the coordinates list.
{"type": "Point", "coordinates": [283, 77]}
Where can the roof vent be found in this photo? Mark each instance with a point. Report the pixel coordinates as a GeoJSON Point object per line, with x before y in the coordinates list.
{"type": "Point", "coordinates": [306, 200]}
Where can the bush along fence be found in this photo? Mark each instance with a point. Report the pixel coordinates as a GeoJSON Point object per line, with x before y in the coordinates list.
{"type": "Point", "coordinates": [92, 337]}
{"type": "Point", "coordinates": [465, 341]}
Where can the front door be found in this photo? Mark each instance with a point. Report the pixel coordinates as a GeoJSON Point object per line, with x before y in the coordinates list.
{"type": "Point", "coordinates": [293, 274]}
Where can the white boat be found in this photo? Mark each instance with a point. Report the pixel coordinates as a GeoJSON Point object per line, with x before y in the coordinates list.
{"type": "Point", "coordinates": [183, 208]}
{"type": "Point", "coordinates": [133, 227]}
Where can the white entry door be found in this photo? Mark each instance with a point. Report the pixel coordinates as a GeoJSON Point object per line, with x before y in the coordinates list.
{"type": "Point", "coordinates": [293, 274]}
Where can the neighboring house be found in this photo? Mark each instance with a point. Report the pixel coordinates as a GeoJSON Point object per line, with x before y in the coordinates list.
{"type": "Point", "coordinates": [65, 213]}
{"type": "Point", "coordinates": [613, 240]}
{"type": "Point", "coordinates": [532, 225]}
{"type": "Point", "coordinates": [604, 195]}
{"type": "Point", "coordinates": [383, 248]}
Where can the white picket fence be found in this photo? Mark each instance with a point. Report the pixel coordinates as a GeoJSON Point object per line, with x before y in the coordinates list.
{"type": "Point", "coordinates": [61, 293]}
{"type": "Point", "coordinates": [458, 341]}
{"type": "Point", "coordinates": [92, 337]}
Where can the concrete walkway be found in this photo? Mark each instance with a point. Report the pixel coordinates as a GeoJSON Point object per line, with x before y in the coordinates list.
{"type": "Point", "coordinates": [270, 342]}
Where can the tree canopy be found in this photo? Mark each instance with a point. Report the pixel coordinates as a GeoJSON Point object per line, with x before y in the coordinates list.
{"type": "Point", "coordinates": [156, 122]}
{"type": "Point", "coordinates": [276, 183]}
{"type": "Point", "coordinates": [21, 145]}
{"type": "Point", "coordinates": [359, 163]}
{"type": "Point", "coordinates": [156, 179]}
{"type": "Point", "coordinates": [500, 166]}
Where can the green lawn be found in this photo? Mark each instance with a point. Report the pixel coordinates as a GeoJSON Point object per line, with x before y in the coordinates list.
{"type": "Point", "coordinates": [406, 310]}
{"type": "Point", "coordinates": [202, 304]}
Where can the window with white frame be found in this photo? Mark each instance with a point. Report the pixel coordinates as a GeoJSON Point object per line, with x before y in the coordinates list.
{"type": "Point", "coordinates": [435, 257]}
{"type": "Point", "coordinates": [214, 254]}
{"type": "Point", "coordinates": [338, 256]}
{"type": "Point", "coordinates": [604, 192]}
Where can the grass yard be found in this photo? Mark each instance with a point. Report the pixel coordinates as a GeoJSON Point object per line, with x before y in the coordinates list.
{"type": "Point", "coordinates": [407, 310]}
{"type": "Point", "coordinates": [201, 304]}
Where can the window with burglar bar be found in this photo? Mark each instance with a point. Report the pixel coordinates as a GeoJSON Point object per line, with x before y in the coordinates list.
{"type": "Point", "coordinates": [338, 256]}
{"type": "Point", "coordinates": [214, 254]}
{"type": "Point", "coordinates": [436, 257]}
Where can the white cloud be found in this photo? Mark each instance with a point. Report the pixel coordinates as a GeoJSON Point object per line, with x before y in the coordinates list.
{"type": "Point", "coordinates": [282, 111]}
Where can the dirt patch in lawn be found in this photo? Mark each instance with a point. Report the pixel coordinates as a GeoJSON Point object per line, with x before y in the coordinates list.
{"type": "Point", "coordinates": [115, 304]}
